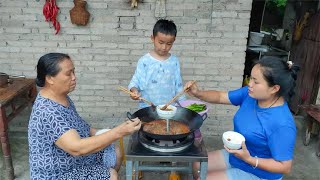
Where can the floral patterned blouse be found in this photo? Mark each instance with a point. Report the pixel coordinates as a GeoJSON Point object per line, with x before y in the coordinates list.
{"type": "Point", "coordinates": [48, 121]}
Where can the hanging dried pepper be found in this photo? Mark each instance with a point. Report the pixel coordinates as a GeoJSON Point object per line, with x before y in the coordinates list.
{"type": "Point", "coordinates": [50, 11]}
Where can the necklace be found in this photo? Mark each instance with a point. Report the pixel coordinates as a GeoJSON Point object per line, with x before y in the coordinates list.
{"type": "Point", "coordinates": [274, 102]}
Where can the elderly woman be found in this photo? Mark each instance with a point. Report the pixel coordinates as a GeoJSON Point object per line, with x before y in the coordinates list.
{"type": "Point", "coordinates": [61, 144]}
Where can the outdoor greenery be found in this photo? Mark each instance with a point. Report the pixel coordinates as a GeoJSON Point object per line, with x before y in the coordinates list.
{"type": "Point", "coordinates": [277, 6]}
{"type": "Point", "coordinates": [278, 3]}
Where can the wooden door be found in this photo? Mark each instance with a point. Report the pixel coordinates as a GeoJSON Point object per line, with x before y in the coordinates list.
{"type": "Point", "coordinates": [307, 55]}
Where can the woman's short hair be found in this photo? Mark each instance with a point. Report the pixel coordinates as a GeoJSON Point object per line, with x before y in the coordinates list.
{"type": "Point", "coordinates": [48, 65]}
{"type": "Point", "coordinates": [276, 71]}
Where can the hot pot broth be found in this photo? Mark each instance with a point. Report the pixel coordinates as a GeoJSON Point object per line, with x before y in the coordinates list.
{"type": "Point", "coordinates": [159, 127]}
{"type": "Point", "coordinates": [167, 109]}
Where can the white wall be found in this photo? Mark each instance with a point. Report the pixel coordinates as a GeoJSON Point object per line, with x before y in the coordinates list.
{"type": "Point", "coordinates": [211, 44]}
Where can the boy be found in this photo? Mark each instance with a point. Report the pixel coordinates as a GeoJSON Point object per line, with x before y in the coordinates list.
{"type": "Point", "coordinates": [157, 77]}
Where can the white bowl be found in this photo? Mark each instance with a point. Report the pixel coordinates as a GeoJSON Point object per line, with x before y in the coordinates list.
{"type": "Point", "coordinates": [232, 140]}
{"type": "Point", "coordinates": [168, 113]}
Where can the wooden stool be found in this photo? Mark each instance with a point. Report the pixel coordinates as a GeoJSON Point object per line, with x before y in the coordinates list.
{"type": "Point", "coordinates": [122, 150]}
{"type": "Point", "coordinates": [312, 123]}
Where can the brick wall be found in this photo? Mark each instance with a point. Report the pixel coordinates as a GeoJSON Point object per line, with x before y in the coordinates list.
{"type": "Point", "coordinates": [211, 43]}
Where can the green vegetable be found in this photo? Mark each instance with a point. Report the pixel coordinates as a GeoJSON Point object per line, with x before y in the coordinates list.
{"type": "Point", "coordinates": [197, 107]}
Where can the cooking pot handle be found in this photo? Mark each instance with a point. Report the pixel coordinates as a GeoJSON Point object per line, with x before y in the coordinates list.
{"type": "Point", "coordinates": [204, 116]}
{"type": "Point", "coordinates": [178, 103]}
{"type": "Point", "coordinates": [129, 116]}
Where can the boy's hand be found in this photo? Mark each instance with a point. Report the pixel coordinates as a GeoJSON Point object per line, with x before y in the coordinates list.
{"type": "Point", "coordinates": [136, 94]}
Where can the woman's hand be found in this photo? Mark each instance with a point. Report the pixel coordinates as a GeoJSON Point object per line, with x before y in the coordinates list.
{"type": "Point", "coordinates": [129, 127]}
{"type": "Point", "coordinates": [136, 95]}
{"type": "Point", "coordinates": [267, 164]}
{"type": "Point", "coordinates": [192, 88]}
{"type": "Point", "coordinates": [242, 153]}
{"type": "Point", "coordinates": [72, 143]}
{"type": "Point", "coordinates": [211, 96]}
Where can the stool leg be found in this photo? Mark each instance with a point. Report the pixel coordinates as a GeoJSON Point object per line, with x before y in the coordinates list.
{"type": "Point", "coordinates": [318, 151]}
{"type": "Point", "coordinates": [122, 150]}
{"type": "Point", "coordinates": [308, 128]}
{"type": "Point", "coordinates": [140, 176]}
{"type": "Point", "coordinates": [315, 128]}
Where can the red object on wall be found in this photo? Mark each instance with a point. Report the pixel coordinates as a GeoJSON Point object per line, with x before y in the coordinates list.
{"type": "Point", "coordinates": [50, 11]}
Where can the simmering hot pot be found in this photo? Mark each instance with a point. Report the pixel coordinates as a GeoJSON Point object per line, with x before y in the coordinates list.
{"type": "Point", "coordinates": [188, 117]}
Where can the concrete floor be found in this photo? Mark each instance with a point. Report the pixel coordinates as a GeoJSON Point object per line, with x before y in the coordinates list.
{"type": "Point", "coordinates": [306, 164]}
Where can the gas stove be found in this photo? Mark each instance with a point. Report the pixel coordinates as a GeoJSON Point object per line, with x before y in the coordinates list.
{"type": "Point", "coordinates": [141, 150]}
{"type": "Point", "coordinates": [166, 145]}
{"type": "Point", "coordinates": [139, 144]}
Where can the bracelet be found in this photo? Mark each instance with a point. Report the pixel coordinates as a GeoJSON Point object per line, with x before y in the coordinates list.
{"type": "Point", "coordinates": [257, 162]}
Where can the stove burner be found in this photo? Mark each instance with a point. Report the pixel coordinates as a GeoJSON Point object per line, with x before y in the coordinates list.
{"type": "Point", "coordinates": [165, 145]}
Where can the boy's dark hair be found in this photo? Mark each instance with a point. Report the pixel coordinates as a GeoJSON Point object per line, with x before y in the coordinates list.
{"type": "Point", "coordinates": [166, 27]}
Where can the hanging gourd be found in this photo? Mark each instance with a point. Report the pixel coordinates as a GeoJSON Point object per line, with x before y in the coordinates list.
{"type": "Point", "coordinates": [79, 14]}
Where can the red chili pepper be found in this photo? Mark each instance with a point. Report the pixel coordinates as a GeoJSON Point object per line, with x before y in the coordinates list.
{"type": "Point", "coordinates": [50, 11]}
{"type": "Point", "coordinates": [57, 27]}
{"type": "Point", "coordinates": [46, 10]}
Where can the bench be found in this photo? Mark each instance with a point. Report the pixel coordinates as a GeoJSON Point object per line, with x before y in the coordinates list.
{"type": "Point", "coordinates": [312, 123]}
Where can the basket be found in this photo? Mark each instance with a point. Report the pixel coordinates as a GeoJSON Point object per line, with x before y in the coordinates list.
{"type": "Point", "coordinates": [79, 14]}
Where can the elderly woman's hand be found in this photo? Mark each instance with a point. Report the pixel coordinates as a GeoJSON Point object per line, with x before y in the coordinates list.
{"type": "Point", "coordinates": [129, 127]}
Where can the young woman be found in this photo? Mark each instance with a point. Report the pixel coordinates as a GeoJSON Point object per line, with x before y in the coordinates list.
{"type": "Point", "coordinates": [61, 144]}
{"type": "Point", "coordinates": [263, 118]}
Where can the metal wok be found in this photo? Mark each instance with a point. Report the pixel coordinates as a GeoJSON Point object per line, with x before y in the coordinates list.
{"type": "Point", "coordinates": [188, 117]}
